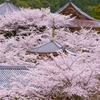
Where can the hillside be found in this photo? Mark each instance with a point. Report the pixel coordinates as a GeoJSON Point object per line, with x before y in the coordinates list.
{"type": "Point", "coordinates": [91, 7]}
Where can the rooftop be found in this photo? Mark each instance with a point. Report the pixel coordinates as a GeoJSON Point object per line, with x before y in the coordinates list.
{"type": "Point", "coordinates": [7, 72]}
{"type": "Point", "coordinates": [50, 47]}
{"type": "Point", "coordinates": [81, 18]}
{"type": "Point", "coordinates": [76, 8]}
{"type": "Point", "coordinates": [7, 7]}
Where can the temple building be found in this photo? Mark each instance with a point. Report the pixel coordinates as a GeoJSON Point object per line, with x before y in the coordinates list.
{"type": "Point", "coordinates": [7, 7]}
{"type": "Point", "coordinates": [51, 47]}
{"type": "Point", "coordinates": [7, 72]}
{"type": "Point", "coordinates": [81, 18]}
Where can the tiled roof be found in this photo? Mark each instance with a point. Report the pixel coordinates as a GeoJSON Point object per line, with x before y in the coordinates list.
{"type": "Point", "coordinates": [70, 52]}
{"type": "Point", "coordinates": [84, 23]}
{"type": "Point", "coordinates": [7, 72]}
{"type": "Point", "coordinates": [76, 8]}
{"type": "Point", "coordinates": [49, 47]}
{"type": "Point", "coordinates": [92, 22]}
{"type": "Point", "coordinates": [7, 7]}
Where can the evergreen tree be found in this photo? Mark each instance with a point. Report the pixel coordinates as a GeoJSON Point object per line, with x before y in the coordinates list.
{"type": "Point", "coordinates": [97, 12]}
{"type": "Point", "coordinates": [45, 3]}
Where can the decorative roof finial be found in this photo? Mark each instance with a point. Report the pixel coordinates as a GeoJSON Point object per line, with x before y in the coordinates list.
{"type": "Point", "coordinates": [7, 0]}
{"type": "Point", "coordinates": [53, 28]}
{"type": "Point", "coordinates": [70, 0]}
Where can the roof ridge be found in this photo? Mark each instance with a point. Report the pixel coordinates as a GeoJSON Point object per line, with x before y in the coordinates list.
{"type": "Point", "coordinates": [7, 0]}
{"type": "Point", "coordinates": [49, 47]}
{"type": "Point", "coordinates": [38, 46]}
{"type": "Point", "coordinates": [2, 4]}
{"type": "Point", "coordinates": [58, 44]}
{"type": "Point", "coordinates": [77, 8]}
{"type": "Point", "coordinates": [15, 67]}
{"type": "Point", "coordinates": [82, 12]}
{"type": "Point", "coordinates": [70, 0]}
{"type": "Point", "coordinates": [62, 7]}
{"type": "Point", "coordinates": [9, 5]}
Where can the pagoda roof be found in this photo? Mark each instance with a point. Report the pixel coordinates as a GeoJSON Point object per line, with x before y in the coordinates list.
{"type": "Point", "coordinates": [7, 7]}
{"type": "Point", "coordinates": [50, 47]}
{"type": "Point", "coordinates": [84, 23]}
{"type": "Point", "coordinates": [70, 3]}
{"type": "Point", "coordinates": [7, 72]}
{"type": "Point", "coordinates": [84, 19]}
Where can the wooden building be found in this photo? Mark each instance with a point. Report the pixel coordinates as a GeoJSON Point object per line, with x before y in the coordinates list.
{"type": "Point", "coordinates": [81, 18]}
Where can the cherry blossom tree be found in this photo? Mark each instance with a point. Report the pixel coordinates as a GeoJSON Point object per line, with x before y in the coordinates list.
{"type": "Point", "coordinates": [62, 78]}
{"type": "Point", "coordinates": [66, 77]}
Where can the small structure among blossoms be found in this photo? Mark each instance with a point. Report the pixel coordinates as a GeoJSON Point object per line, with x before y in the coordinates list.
{"type": "Point", "coordinates": [51, 47]}
{"type": "Point", "coordinates": [7, 72]}
{"type": "Point", "coordinates": [7, 7]}
{"type": "Point", "coordinates": [48, 48]}
{"type": "Point", "coordinates": [81, 18]}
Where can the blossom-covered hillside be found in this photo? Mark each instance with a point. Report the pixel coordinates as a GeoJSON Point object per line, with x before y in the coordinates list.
{"type": "Point", "coordinates": [66, 76]}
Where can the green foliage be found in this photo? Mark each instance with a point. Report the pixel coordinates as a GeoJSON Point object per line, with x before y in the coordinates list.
{"type": "Point", "coordinates": [34, 4]}
{"type": "Point", "coordinates": [45, 3]}
{"type": "Point", "coordinates": [54, 5]}
{"type": "Point", "coordinates": [1, 1]}
{"type": "Point", "coordinates": [97, 12]}
{"type": "Point", "coordinates": [91, 7]}
{"type": "Point", "coordinates": [91, 10]}
{"type": "Point", "coordinates": [21, 3]}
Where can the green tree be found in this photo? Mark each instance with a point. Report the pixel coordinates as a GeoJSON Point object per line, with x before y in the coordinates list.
{"type": "Point", "coordinates": [54, 5]}
{"type": "Point", "coordinates": [97, 12]}
{"type": "Point", "coordinates": [1, 1]}
{"type": "Point", "coordinates": [21, 3]}
{"type": "Point", "coordinates": [45, 3]}
{"type": "Point", "coordinates": [91, 7]}
{"type": "Point", "coordinates": [91, 10]}
{"type": "Point", "coordinates": [34, 3]}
